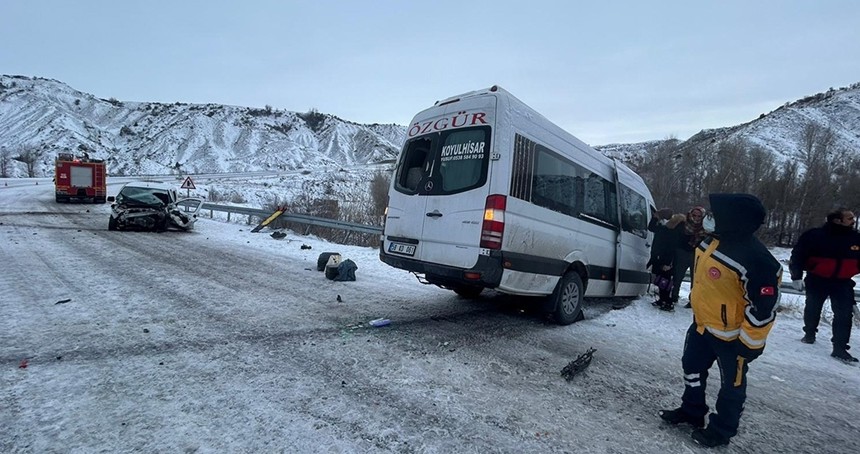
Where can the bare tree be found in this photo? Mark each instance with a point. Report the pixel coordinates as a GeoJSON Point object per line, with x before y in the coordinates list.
{"type": "Point", "coordinates": [658, 169]}
{"type": "Point", "coordinates": [847, 172]}
{"type": "Point", "coordinates": [5, 158]}
{"type": "Point", "coordinates": [816, 143]}
{"type": "Point", "coordinates": [817, 191]}
{"type": "Point", "coordinates": [30, 156]}
{"type": "Point", "coordinates": [379, 192]}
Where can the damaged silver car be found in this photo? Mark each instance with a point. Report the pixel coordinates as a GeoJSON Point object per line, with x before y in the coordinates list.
{"type": "Point", "coordinates": [152, 206]}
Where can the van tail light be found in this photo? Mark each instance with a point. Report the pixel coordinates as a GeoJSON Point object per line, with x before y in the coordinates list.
{"type": "Point", "coordinates": [494, 222]}
{"type": "Point", "coordinates": [384, 218]}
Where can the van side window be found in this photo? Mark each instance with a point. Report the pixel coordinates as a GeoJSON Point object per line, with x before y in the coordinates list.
{"type": "Point", "coordinates": [601, 200]}
{"type": "Point", "coordinates": [523, 168]}
{"type": "Point", "coordinates": [634, 212]}
{"type": "Point", "coordinates": [557, 184]}
{"type": "Point", "coordinates": [547, 179]}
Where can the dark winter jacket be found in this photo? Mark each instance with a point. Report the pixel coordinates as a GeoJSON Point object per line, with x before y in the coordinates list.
{"type": "Point", "coordinates": [736, 279]}
{"type": "Point", "coordinates": [831, 251]}
{"type": "Point", "coordinates": [663, 246]}
{"type": "Point", "coordinates": [690, 233]}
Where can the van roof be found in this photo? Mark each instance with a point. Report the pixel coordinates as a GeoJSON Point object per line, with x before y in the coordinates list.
{"type": "Point", "coordinates": [629, 176]}
{"type": "Point", "coordinates": [469, 94]}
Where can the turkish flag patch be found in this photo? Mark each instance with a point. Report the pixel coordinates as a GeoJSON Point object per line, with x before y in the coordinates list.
{"type": "Point", "coordinates": [714, 273]}
{"type": "Point", "coordinates": [767, 291]}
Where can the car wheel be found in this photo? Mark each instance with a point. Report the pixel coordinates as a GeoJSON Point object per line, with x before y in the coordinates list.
{"type": "Point", "coordinates": [567, 299]}
{"type": "Point", "coordinates": [468, 291]}
{"type": "Point", "coordinates": [111, 223]}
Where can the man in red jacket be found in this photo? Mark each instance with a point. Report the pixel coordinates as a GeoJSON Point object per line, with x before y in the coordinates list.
{"type": "Point", "coordinates": [830, 255]}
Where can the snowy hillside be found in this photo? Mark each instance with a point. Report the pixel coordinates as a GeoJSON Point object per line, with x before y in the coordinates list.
{"type": "Point", "coordinates": [781, 130]}
{"type": "Point", "coordinates": [157, 138]}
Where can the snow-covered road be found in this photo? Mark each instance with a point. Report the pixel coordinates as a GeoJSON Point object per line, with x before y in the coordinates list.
{"type": "Point", "coordinates": [221, 340]}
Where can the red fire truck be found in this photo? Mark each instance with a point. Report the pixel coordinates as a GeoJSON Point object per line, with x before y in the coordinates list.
{"type": "Point", "coordinates": [80, 178]}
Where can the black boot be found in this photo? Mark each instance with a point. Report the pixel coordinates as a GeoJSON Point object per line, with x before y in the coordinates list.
{"type": "Point", "coordinates": [709, 438]}
{"type": "Point", "coordinates": [808, 339]}
{"type": "Point", "coordinates": [843, 355]}
{"type": "Point", "coordinates": [679, 416]}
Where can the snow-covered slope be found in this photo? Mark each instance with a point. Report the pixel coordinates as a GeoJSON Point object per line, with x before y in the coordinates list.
{"type": "Point", "coordinates": [157, 138]}
{"type": "Point", "coordinates": [781, 131]}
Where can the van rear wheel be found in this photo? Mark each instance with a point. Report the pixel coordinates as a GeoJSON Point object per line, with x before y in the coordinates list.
{"type": "Point", "coordinates": [468, 291]}
{"type": "Point", "coordinates": [567, 299]}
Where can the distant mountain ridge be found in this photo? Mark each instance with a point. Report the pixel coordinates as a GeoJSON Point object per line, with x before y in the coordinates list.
{"type": "Point", "coordinates": [779, 131]}
{"type": "Point", "coordinates": [140, 138]}
{"type": "Point", "coordinates": [157, 138]}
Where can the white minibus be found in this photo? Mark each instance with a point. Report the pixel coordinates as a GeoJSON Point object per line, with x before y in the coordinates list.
{"type": "Point", "coordinates": [487, 193]}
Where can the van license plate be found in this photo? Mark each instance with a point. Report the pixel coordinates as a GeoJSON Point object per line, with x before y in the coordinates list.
{"type": "Point", "coordinates": [400, 248]}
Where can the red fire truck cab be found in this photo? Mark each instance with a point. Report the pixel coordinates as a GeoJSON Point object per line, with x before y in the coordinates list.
{"type": "Point", "coordinates": [80, 178]}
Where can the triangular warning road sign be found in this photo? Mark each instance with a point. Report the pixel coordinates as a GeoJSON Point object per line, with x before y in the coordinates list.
{"type": "Point", "coordinates": [188, 184]}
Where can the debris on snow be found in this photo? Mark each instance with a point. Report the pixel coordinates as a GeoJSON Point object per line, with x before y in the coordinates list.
{"type": "Point", "coordinates": [380, 322]}
{"type": "Point", "coordinates": [578, 365]}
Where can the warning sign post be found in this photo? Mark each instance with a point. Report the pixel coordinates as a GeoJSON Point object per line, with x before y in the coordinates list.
{"type": "Point", "coordinates": [189, 185]}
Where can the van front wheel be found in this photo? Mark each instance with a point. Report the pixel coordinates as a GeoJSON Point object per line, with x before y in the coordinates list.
{"type": "Point", "coordinates": [567, 299]}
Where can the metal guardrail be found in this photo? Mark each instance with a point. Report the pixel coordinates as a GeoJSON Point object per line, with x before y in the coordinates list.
{"type": "Point", "coordinates": [786, 286]}
{"type": "Point", "coordinates": [298, 218]}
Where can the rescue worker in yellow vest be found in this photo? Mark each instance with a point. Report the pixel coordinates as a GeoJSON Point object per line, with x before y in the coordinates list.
{"type": "Point", "coordinates": [734, 300]}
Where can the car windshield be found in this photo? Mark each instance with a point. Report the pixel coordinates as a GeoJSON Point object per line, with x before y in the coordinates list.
{"type": "Point", "coordinates": [142, 196]}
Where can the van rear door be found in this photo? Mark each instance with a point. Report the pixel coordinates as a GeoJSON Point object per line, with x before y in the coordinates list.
{"type": "Point", "coordinates": [438, 193]}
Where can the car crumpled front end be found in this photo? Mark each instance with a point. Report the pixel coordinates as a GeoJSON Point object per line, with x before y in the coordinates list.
{"type": "Point", "coordinates": [156, 217]}
{"type": "Point", "coordinates": [183, 215]}
{"type": "Point", "coordinates": [138, 217]}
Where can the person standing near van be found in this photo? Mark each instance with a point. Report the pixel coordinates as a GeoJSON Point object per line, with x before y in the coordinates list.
{"type": "Point", "coordinates": [734, 303]}
{"type": "Point", "coordinates": [689, 235]}
{"type": "Point", "coordinates": [830, 255]}
{"type": "Point", "coordinates": [663, 224]}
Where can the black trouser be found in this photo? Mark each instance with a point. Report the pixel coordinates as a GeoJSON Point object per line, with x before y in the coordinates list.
{"type": "Point", "coordinates": [664, 292]}
{"type": "Point", "coordinates": [841, 293]}
{"type": "Point", "coordinates": [683, 262]}
{"type": "Point", "coordinates": [700, 352]}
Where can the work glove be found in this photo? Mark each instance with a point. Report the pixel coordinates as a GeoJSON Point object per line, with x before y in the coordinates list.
{"type": "Point", "coordinates": [798, 285]}
{"type": "Point", "coordinates": [747, 353]}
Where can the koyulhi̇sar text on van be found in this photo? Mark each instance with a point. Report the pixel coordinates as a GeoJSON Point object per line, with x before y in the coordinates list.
{"type": "Point", "coordinates": [487, 193]}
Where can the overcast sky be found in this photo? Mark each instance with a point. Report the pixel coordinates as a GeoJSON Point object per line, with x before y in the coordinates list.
{"type": "Point", "coordinates": [606, 71]}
